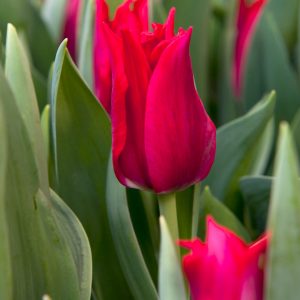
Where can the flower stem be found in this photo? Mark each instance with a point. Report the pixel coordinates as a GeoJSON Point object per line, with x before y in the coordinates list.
{"type": "Point", "coordinates": [167, 208]}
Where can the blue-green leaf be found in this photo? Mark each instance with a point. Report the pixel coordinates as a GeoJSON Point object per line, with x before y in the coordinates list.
{"type": "Point", "coordinates": [283, 260]}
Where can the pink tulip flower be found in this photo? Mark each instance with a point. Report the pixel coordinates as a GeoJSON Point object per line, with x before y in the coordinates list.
{"type": "Point", "coordinates": [224, 266]}
{"type": "Point", "coordinates": [163, 139]}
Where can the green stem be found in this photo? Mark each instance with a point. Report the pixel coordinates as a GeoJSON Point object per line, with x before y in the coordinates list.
{"type": "Point", "coordinates": [167, 208]}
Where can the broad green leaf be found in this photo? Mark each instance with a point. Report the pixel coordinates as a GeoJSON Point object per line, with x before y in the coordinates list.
{"type": "Point", "coordinates": [285, 17]}
{"type": "Point", "coordinates": [240, 145]}
{"type": "Point", "coordinates": [143, 210]}
{"type": "Point", "coordinates": [73, 232]}
{"type": "Point", "coordinates": [283, 260]}
{"type": "Point", "coordinates": [256, 195]}
{"type": "Point", "coordinates": [209, 205]}
{"type": "Point", "coordinates": [85, 61]}
{"type": "Point", "coordinates": [171, 283]}
{"type": "Point", "coordinates": [80, 147]}
{"type": "Point", "coordinates": [25, 16]}
{"type": "Point", "coordinates": [17, 71]}
{"type": "Point", "coordinates": [227, 104]}
{"type": "Point", "coordinates": [6, 278]}
{"type": "Point", "coordinates": [43, 257]}
{"type": "Point", "coordinates": [126, 244]}
{"type": "Point", "coordinates": [198, 12]}
{"type": "Point", "coordinates": [268, 68]}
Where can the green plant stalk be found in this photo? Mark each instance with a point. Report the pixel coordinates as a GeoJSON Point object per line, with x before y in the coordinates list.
{"type": "Point", "coordinates": [167, 208]}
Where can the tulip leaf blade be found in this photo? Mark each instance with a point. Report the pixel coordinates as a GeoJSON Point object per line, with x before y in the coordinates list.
{"type": "Point", "coordinates": [26, 17]}
{"type": "Point", "coordinates": [283, 258]}
{"type": "Point", "coordinates": [127, 247]}
{"type": "Point", "coordinates": [256, 194]}
{"type": "Point", "coordinates": [199, 14]}
{"type": "Point", "coordinates": [80, 145]}
{"type": "Point", "coordinates": [240, 145]}
{"type": "Point", "coordinates": [171, 282]}
{"type": "Point", "coordinates": [262, 73]}
{"type": "Point", "coordinates": [17, 71]}
{"type": "Point", "coordinates": [39, 258]}
{"type": "Point", "coordinates": [85, 60]}
{"type": "Point", "coordinates": [73, 232]}
{"type": "Point", "coordinates": [209, 205]}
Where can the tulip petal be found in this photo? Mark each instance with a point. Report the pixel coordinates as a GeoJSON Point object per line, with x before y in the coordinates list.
{"type": "Point", "coordinates": [70, 26]}
{"type": "Point", "coordinates": [179, 136]}
{"type": "Point", "coordinates": [102, 66]}
{"type": "Point", "coordinates": [247, 18]}
{"type": "Point", "coordinates": [132, 15]}
{"type": "Point", "coordinates": [119, 88]}
{"type": "Point", "coordinates": [224, 267]}
{"type": "Point", "coordinates": [132, 160]}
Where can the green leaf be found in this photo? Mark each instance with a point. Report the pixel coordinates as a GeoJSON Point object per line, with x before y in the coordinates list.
{"type": "Point", "coordinates": [269, 68]}
{"type": "Point", "coordinates": [285, 17]}
{"type": "Point", "coordinates": [74, 234]}
{"type": "Point", "coordinates": [17, 71]}
{"type": "Point", "coordinates": [45, 124]}
{"type": "Point", "coordinates": [240, 145]}
{"type": "Point", "coordinates": [209, 205]}
{"type": "Point", "coordinates": [42, 256]}
{"type": "Point", "coordinates": [283, 260]}
{"type": "Point", "coordinates": [143, 208]}
{"type": "Point", "coordinates": [256, 194]}
{"type": "Point", "coordinates": [125, 240]}
{"type": "Point", "coordinates": [198, 16]}
{"type": "Point", "coordinates": [85, 61]}
{"type": "Point", "coordinates": [80, 147]}
{"type": "Point", "coordinates": [25, 16]}
{"type": "Point", "coordinates": [171, 282]}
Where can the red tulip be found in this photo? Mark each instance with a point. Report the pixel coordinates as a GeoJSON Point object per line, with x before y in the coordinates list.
{"type": "Point", "coordinates": [71, 25]}
{"type": "Point", "coordinates": [163, 139]}
{"type": "Point", "coordinates": [224, 267]}
{"type": "Point", "coordinates": [247, 19]}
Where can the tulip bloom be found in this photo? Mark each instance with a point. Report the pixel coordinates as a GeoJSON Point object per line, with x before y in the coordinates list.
{"type": "Point", "coordinates": [70, 27]}
{"type": "Point", "coordinates": [247, 19]}
{"type": "Point", "coordinates": [224, 267]}
{"type": "Point", "coordinates": [163, 139]}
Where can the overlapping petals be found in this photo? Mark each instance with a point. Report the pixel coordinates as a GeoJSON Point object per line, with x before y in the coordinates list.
{"type": "Point", "coordinates": [224, 267]}
{"type": "Point", "coordinates": [163, 139]}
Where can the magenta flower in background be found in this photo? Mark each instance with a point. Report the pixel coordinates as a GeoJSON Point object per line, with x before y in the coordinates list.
{"type": "Point", "coordinates": [163, 139]}
{"type": "Point", "coordinates": [70, 27]}
{"type": "Point", "coordinates": [224, 267]}
{"type": "Point", "coordinates": [247, 18]}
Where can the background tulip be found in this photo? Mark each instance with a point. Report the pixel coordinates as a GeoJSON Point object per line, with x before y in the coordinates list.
{"type": "Point", "coordinates": [247, 17]}
{"type": "Point", "coordinates": [224, 266]}
{"type": "Point", "coordinates": [163, 139]}
{"type": "Point", "coordinates": [70, 29]}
